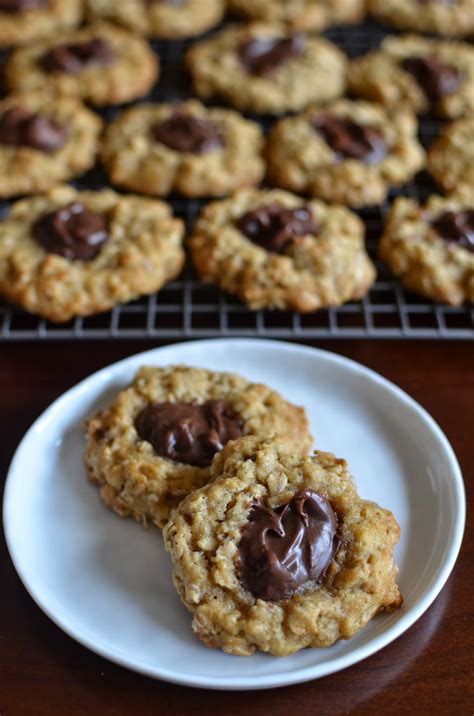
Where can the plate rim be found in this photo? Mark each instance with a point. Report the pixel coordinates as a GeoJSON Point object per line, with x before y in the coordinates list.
{"type": "Point", "coordinates": [299, 675]}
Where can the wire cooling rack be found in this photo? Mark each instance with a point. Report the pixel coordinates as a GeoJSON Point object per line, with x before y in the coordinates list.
{"type": "Point", "coordinates": [187, 308]}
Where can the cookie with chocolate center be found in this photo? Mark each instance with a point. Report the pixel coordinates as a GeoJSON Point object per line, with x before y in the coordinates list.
{"type": "Point", "coordinates": [25, 21]}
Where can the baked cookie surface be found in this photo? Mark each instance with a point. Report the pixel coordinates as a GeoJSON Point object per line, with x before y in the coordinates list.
{"type": "Point", "coordinates": [350, 152]}
{"type": "Point", "coordinates": [101, 63]}
{"type": "Point", "coordinates": [278, 552]}
{"type": "Point", "coordinates": [431, 248]}
{"type": "Point", "coordinates": [44, 140]}
{"type": "Point", "coordinates": [166, 20]}
{"type": "Point", "coordinates": [155, 443]}
{"type": "Point", "coordinates": [23, 21]}
{"type": "Point", "coordinates": [186, 148]}
{"type": "Point", "coordinates": [451, 156]}
{"type": "Point", "coordinates": [277, 250]}
{"type": "Point", "coordinates": [69, 253]}
{"type": "Point", "coordinates": [442, 17]}
{"type": "Point", "coordinates": [261, 68]}
{"type": "Point", "coordinates": [425, 75]}
{"type": "Point", "coordinates": [300, 14]}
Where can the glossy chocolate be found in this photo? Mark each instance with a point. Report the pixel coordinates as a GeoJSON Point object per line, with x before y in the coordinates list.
{"type": "Point", "coordinates": [273, 227]}
{"type": "Point", "coordinates": [262, 56]}
{"type": "Point", "coordinates": [435, 78]}
{"type": "Point", "coordinates": [73, 57]}
{"type": "Point", "coordinates": [72, 231]}
{"type": "Point", "coordinates": [285, 548]}
{"type": "Point", "coordinates": [350, 140]}
{"type": "Point", "coordinates": [17, 6]}
{"type": "Point", "coordinates": [456, 227]}
{"type": "Point", "coordinates": [21, 128]}
{"type": "Point", "coordinates": [187, 133]}
{"type": "Point", "coordinates": [188, 433]}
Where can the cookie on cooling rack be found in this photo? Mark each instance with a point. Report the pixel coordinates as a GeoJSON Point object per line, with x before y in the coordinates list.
{"type": "Point", "coordinates": [44, 140]}
{"type": "Point", "coordinates": [101, 63]}
{"type": "Point", "coordinates": [261, 68]}
{"type": "Point", "coordinates": [168, 20]}
{"type": "Point", "coordinates": [451, 156]}
{"type": "Point", "coordinates": [430, 248]}
{"type": "Point", "coordinates": [301, 14]}
{"type": "Point", "coordinates": [278, 552]}
{"type": "Point", "coordinates": [443, 17]}
{"type": "Point", "coordinates": [23, 21]}
{"type": "Point", "coordinates": [350, 152]}
{"type": "Point", "coordinates": [185, 148]}
{"type": "Point", "coordinates": [155, 443]}
{"type": "Point", "coordinates": [425, 75]}
{"type": "Point", "coordinates": [69, 253]}
{"type": "Point", "coordinates": [274, 249]}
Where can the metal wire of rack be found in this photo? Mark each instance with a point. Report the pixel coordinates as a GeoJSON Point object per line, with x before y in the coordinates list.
{"type": "Point", "coordinates": [188, 308]}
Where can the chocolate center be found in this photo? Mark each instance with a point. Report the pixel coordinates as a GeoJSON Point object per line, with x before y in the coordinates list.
{"type": "Point", "coordinates": [21, 128]}
{"type": "Point", "coordinates": [350, 140]}
{"type": "Point", "coordinates": [284, 548]}
{"type": "Point", "coordinates": [273, 227]}
{"type": "Point", "coordinates": [186, 133]}
{"type": "Point", "coordinates": [435, 78]}
{"type": "Point", "coordinates": [456, 227]}
{"type": "Point", "coordinates": [188, 433]}
{"type": "Point", "coordinates": [73, 57]}
{"type": "Point", "coordinates": [262, 56]}
{"type": "Point", "coordinates": [73, 232]}
{"type": "Point", "coordinates": [17, 6]}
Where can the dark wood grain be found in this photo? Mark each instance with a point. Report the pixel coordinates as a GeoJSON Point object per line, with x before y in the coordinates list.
{"type": "Point", "coordinates": [427, 670]}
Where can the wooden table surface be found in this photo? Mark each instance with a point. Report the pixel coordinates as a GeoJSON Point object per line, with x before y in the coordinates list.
{"type": "Point", "coordinates": [427, 670]}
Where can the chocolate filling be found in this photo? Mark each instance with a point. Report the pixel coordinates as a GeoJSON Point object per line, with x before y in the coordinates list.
{"type": "Point", "coordinates": [187, 133]}
{"type": "Point", "coordinates": [72, 231]}
{"type": "Point", "coordinates": [21, 128]}
{"type": "Point", "coordinates": [188, 433]}
{"type": "Point", "coordinates": [262, 56]}
{"type": "Point", "coordinates": [285, 548]}
{"type": "Point", "coordinates": [17, 6]}
{"type": "Point", "coordinates": [350, 140]}
{"type": "Point", "coordinates": [73, 57]}
{"type": "Point", "coordinates": [456, 227]}
{"type": "Point", "coordinates": [273, 227]}
{"type": "Point", "coordinates": [435, 78]}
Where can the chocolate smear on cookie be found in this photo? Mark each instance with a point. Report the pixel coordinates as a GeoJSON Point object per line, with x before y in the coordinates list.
{"type": "Point", "coordinates": [17, 6]}
{"type": "Point", "coordinates": [188, 433]}
{"type": "Point", "coordinates": [274, 227]}
{"type": "Point", "coordinates": [282, 549]}
{"type": "Point", "coordinates": [456, 227]}
{"type": "Point", "coordinates": [73, 231]}
{"type": "Point", "coordinates": [261, 56]}
{"type": "Point", "coordinates": [21, 128]}
{"type": "Point", "coordinates": [187, 133]}
{"type": "Point", "coordinates": [436, 79]}
{"type": "Point", "coordinates": [350, 140]}
{"type": "Point", "coordinates": [72, 57]}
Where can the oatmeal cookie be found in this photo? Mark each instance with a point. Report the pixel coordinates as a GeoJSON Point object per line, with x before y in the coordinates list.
{"type": "Point", "coordinates": [261, 68]}
{"type": "Point", "coordinates": [451, 156]}
{"type": "Point", "coordinates": [187, 148]}
{"type": "Point", "coordinates": [274, 249]}
{"type": "Point", "coordinates": [443, 17]}
{"type": "Point", "coordinates": [164, 19]}
{"type": "Point", "coordinates": [350, 152]}
{"type": "Point", "coordinates": [301, 14]}
{"type": "Point", "coordinates": [23, 21]}
{"type": "Point", "coordinates": [431, 248]}
{"type": "Point", "coordinates": [425, 75]}
{"type": "Point", "coordinates": [101, 63]}
{"type": "Point", "coordinates": [155, 443]}
{"type": "Point", "coordinates": [44, 140]}
{"type": "Point", "coordinates": [278, 552]}
{"type": "Point", "coordinates": [69, 253]}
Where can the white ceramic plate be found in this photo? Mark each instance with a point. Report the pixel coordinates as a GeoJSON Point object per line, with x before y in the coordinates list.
{"type": "Point", "coordinates": [106, 581]}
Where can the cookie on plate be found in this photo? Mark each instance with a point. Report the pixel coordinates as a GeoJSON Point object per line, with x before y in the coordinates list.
{"type": "Point", "coordinates": [261, 68]}
{"type": "Point", "coordinates": [443, 17]}
{"type": "Point", "coordinates": [44, 140]}
{"type": "Point", "coordinates": [23, 21]}
{"type": "Point", "coordinates": [155, 443]}
{"type": "Point", "coordinates": [425, 75]}
{"type": "Point", "coordinates": [69, 253]}
{"type": "Point", "coordinates": [186, 148]}
{"type": "Point", "coordinates": [101, 63]}
{"type": "Point", "coordinates": [451, 156]}
{"type": "Point", "coordinates": [431, 248]}
{"type": "Point", "coordinates": [274, 249]}
{"type": "Point", "coordinates": [168, 20]}
{"type": "Point", "coordinates": [278, 552]}
{"type": "Point", "coordinates": [301, 14]}
{"type": "Point", "coordinates": [350, 152]}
